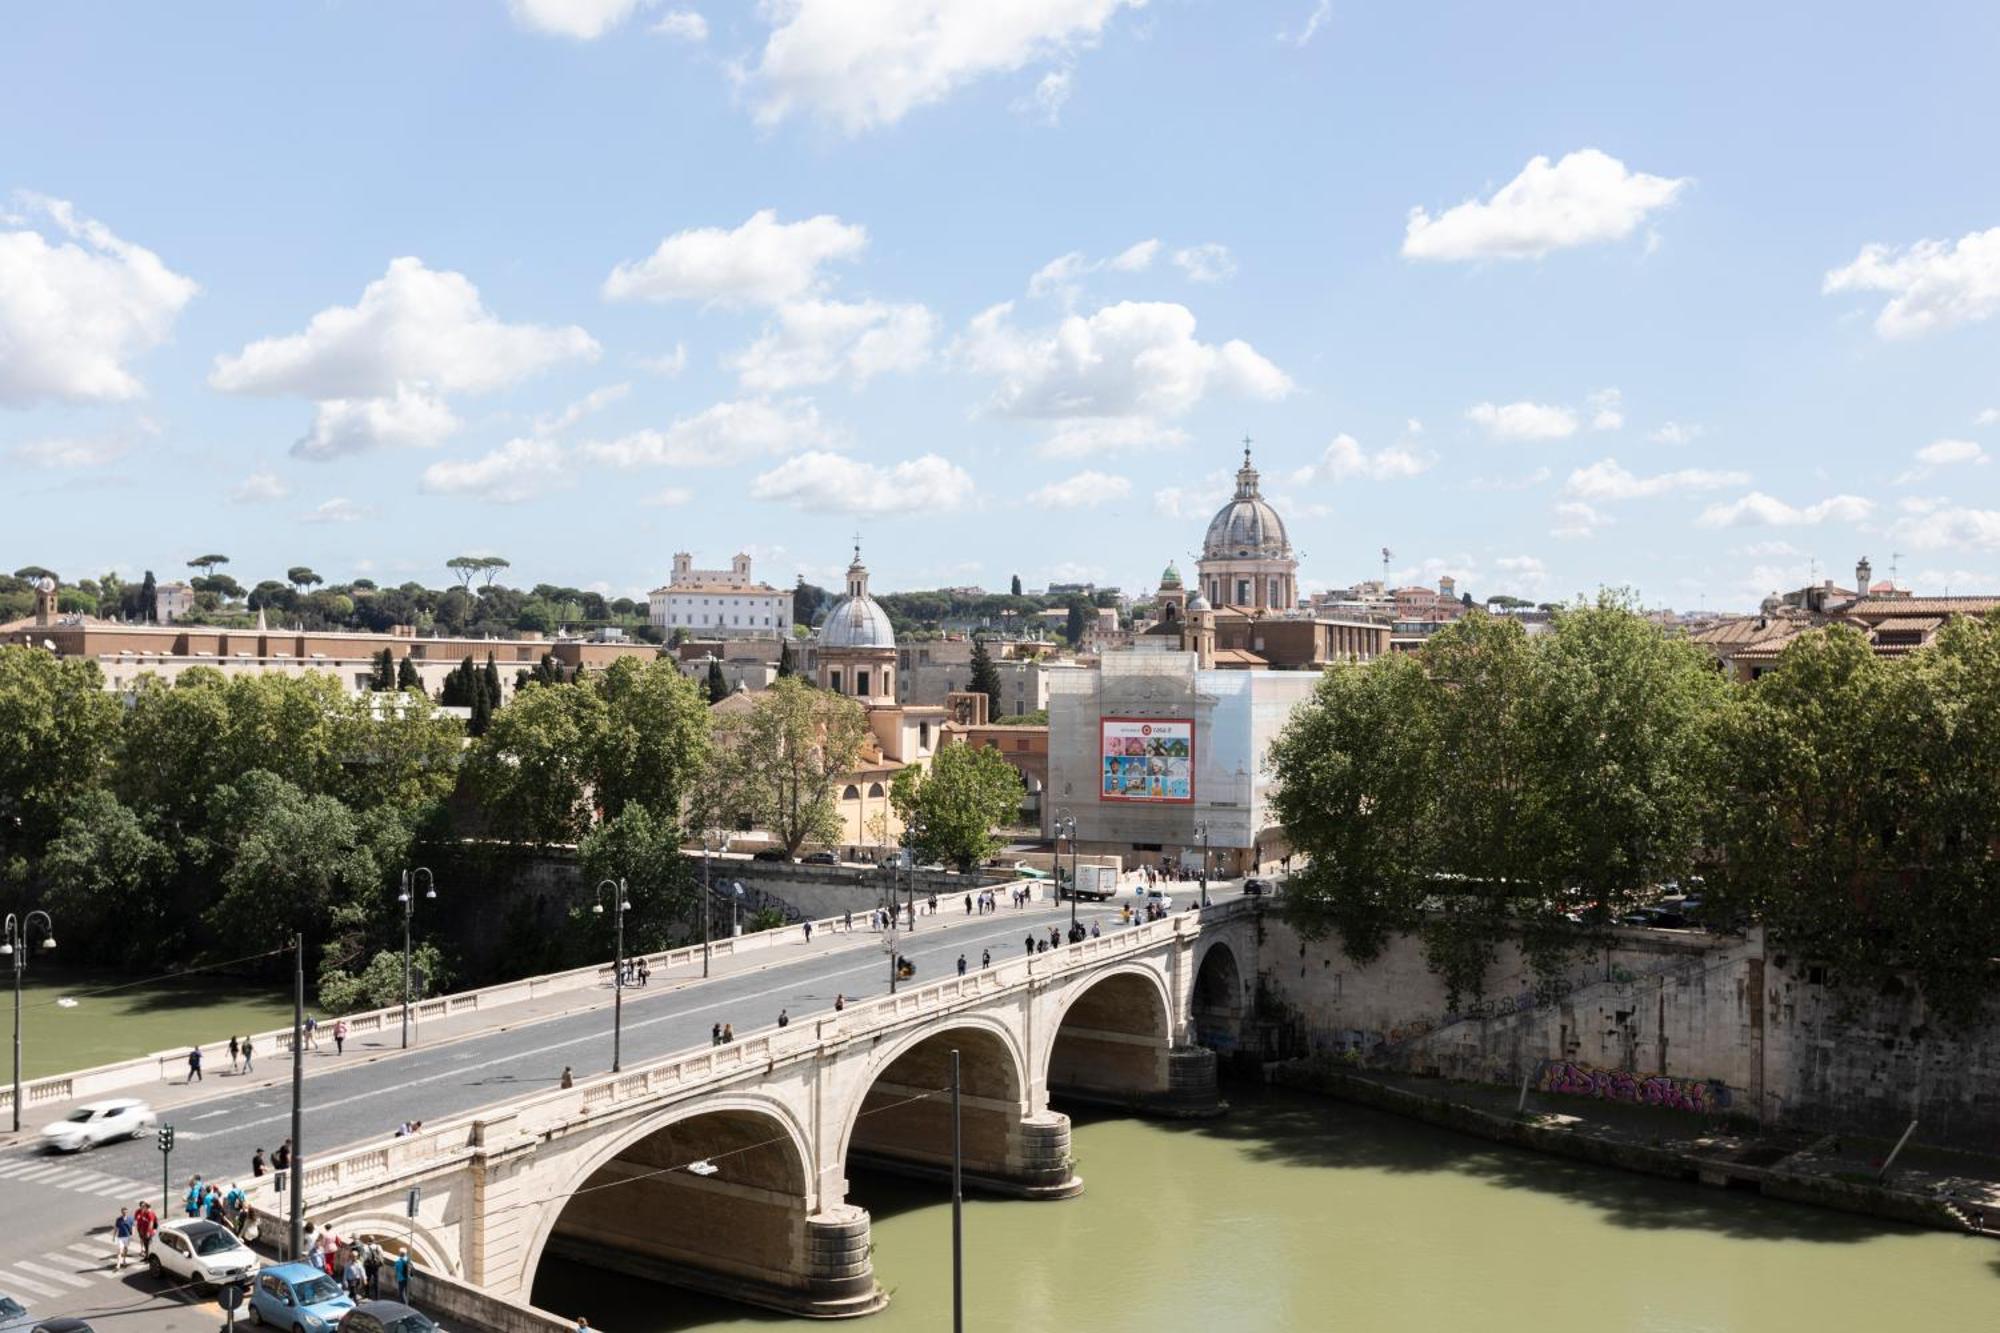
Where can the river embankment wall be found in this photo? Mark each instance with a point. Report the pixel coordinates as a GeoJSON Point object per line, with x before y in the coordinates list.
{"type": "Point", "coordinates": [1711, 1023]}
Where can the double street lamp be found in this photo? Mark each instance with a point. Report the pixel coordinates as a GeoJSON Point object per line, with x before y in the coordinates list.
{"type": "Point", "coordinates": [1065, 827]}
{"type": "Point", "coordinates": [1201, 831]}
{"type": "Point", "coordinates": [619, 906]}
{"type": "Point", "coordinates": [14, 945]}
{"type": "Point", "coordinates": [408, 897]}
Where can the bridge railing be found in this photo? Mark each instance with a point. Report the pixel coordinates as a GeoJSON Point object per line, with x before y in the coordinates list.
{"type": "Point", "coordinates": [451, 1141]}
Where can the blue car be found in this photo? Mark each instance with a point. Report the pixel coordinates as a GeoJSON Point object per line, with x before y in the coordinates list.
{"type": "Point", "coordinates": [297, 1296]}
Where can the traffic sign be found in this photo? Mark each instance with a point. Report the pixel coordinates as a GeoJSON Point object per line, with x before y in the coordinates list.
{"type": "Point", "coordinates": [231, 1296]}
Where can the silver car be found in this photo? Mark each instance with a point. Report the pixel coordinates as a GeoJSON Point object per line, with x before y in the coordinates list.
{"type": "Point", "coordinates": [99, 1122]}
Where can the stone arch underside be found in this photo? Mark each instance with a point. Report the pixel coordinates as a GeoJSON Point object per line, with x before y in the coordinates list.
{"type": "Point", "coordinates": [744, 1230]}
{"type": "Point", "coordinates": [1220, 1004]}
{"type": "Point", "coordinates": [1114, 1045]}
{"type": "Point", "coordinates": [903, 1121]}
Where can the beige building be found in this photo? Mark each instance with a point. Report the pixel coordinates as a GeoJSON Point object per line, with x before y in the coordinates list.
{"type": "Point", "coordinates": [720, 603]}
{"type": "Point", "coordinates": [929, 673]}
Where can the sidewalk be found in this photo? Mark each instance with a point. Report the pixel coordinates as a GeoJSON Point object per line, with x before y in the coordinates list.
{"type": "Point", "coordinates": [274, 1068]}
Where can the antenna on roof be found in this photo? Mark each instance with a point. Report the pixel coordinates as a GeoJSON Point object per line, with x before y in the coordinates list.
{"type": "Point", "coordinates": [1387, 556]}
{"type": "Point", "coordinates": [1894, 557]}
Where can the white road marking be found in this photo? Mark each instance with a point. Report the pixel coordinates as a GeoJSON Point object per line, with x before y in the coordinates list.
{"type": "Point", "coordinates": [40, 1271]}
{"type": "Point", "coordinates": [15, 1283]}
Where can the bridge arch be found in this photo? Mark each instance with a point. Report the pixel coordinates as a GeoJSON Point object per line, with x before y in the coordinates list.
{"type": "Point", "coordinates": [1219, 1002]}
{"type": "Point", "coordinates": [1110, 1037]}
{"type": "Point", "coordinates": [393, 1231]}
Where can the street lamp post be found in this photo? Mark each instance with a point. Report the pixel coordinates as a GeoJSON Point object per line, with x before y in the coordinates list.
{"type": "Point", "coordinates": [735, 907]}
{"type": "Point", "coordinates": [1202, 833]}
{"type": "Point", "coordinates": [706, 855]}
{"type": "Point", "coordinates": [618, 906]}
{"type": "Point", "coordinates": [408, 897]}
{"type": "Point", "coordinates": [1065, 827]}
{"type": "Point", "coordinates": [14, 944]}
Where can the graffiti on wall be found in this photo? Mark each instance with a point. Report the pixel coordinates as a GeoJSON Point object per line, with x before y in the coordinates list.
{"type": "Point", "coordinates": [1618, 1085]}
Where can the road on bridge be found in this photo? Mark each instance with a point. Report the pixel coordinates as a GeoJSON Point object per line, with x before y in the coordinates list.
{"type": "Point", "coordinates": [54, 1232]}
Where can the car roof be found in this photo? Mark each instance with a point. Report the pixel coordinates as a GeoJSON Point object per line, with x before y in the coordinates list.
{"type": "Point", "coordinates": [64, 1324]}
{"type": "Point", "coordinates": [111, 1104]}
{"type": "Point", "coordinates": [195, 1227]}
{"type": "Point", "coordinates": [387, 1309]}
{"type": "Point", "coordinates": [294, 1271]}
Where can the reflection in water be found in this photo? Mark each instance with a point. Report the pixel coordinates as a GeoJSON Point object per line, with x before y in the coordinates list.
{"type": "Point", "coordinates": [1295, 1213]}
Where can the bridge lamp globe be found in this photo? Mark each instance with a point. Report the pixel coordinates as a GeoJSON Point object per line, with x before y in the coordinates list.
{"type": "Point", "coordinates": [703, 1168]}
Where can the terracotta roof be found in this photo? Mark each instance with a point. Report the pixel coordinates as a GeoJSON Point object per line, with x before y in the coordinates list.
{"type": "Point", "coordinates": [1238, 657]}
{"type": "Point", "coordinates": [1869, 607]}
{"type": "Point", "coordinates": [1910, 624]}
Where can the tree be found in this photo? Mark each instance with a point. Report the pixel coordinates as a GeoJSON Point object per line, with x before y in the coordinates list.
{"type": "Point", "coordinates": [379, 984]}
{"type": "Point", "coordinates": [286, 861]}
{"type": "Point", "coordinates": [951, 810]}
{"type": "Point", "coordinates": [655, 741]}
{"type": "Point", "coordinates": [57, 729]}
{"type": "Point", "coordinates": [533, 765]}
{"type": "Point", "coordinates": [104, 874]}
{"type": "Point", "coordinates": [1078, 620]}
{"type": "Point", "coordinates": [785, 667]}
{"type": "Point", "coordinates": [643, 849]}
{"type": "Point", "coordinates": [718, 685]}
{"type": "Point", "coordinates": [1015, 587]}
{"type": "Point", "coordinates": [490, 566]}
{"type": "Point", "coordinates": [383, 677]}
{"type": "Point", "coordinates": [776, 762]}
{"type": "Point", "coordinates": [492, 680]}
{"type": "Point", "coordinates": [986, 677]}
{"type": "Point", "coordinates": [807, 598]}
{"type": "Point", "coordinates": [407, 677]}
{"type": "Point", "coordinates": [221, 585]}
{"type": "Point", "coordinates": [149, 600]}
{"type": "Point", "coordinates": [207, 563]}
{"type": "Point", "coordinates": [301, 577]}
{"type": "Point", "coordinates": [29, 573]}
{"type": "Point", "coordinates": [464, 567]}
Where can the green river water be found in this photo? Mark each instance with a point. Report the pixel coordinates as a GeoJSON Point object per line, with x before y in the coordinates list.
{"type": "Point", "coordinates": [1297, 1213]}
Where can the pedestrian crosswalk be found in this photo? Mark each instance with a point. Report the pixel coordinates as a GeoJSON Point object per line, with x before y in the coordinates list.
{"type": "Point", "coordinates": [60, 1175]}
{"type": "Point", "coordinates": [61, 1274]}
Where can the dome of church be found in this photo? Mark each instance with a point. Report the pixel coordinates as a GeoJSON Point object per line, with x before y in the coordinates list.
{"type": "Point", "coordinates": [1246, 527]}
{"type": "Point", "coordinates": [856, 620]}
{"type": "Point", "coordinates": [1172, 577]}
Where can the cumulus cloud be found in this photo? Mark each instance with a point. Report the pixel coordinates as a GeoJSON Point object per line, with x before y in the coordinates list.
{"type": "Point", "coordinates": [1344, 459]}
{"type": "Point", "coordinates": [1206, 263]}
{"type": "Point", "coordinates": [1760, 510]}
{"type": "Point", "coordinates": [1942, 453]}
{"type": "Point", "coordinates": [828, 483]}
{"type": "Point", "coordinates": [863, 64]}
{"type": "Point", "coordinates": [1932, 285]}
{"type": "Point", "coordinates": [1523, 421]}
{"type": "Point", "coordinates": [1606, 480]}
{"type": "Point", "coordinates": [1134, 258]}
{"type": "Point", "coordinates": [1587, 198]}
{"type": "Point", "coordinates": [518, 470]}
{"type": "Point", "coordinates": [1675, 432]}
{"type": "Point", "coordinates": [1950, 527]}
{"type": "Point", "coordinates": [76, 304]}
{"type": "Point", "coordinates": [407, 419]}
{"type": "Point", "coordinates": [1045, 103]}
{"type": "Point", "coordinates": [1197, 501]}
{"type": "Point", "coordinates": [1114, 435]}
{"type": "Point", "coordinates": [1607, 409]}
{"type": "Point", "coordinates": [584, 20]}
{"type": "Point", "coordinates": [340, 509]}
{"type": "Point", "coordinates": [813, 342]}
{"type": "Point", "coordinates": [593, 402]}
{"type": "Point", "coordinates": [259, 488]}
{"type": "Point", "coordinates": [1989, 417]}
{"type": "Point", "coordinates": [67, 454]}
{"type": "Point", "coordinates": [1133, 359]}
{"type": "Point", "coordinates": [1063, 275]}
{"type": "Point", "coordinates": [413, 326]}
{"type": "Point", "coordinates": [718, 436]}
{"type": "Point", "coordinates": [763, 262]}
{"type": "Point", "coordinates": [683, 25]}
{"type": "Point", "coordinates": [1575, 519]}
{"type": "Point", "coordinates": [668, 365]}
{"type": "Point", "coordinates": [1085, 490]}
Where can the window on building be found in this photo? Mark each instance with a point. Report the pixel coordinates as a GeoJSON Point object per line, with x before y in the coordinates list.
{"type": "Point", "coordinates": [1243, 592]}
{"type": "Point", "coordinates": [861, 682]}
{"type": "Point", "coordinates": [833, 681]}
{"type": "Point", "coordinates": [875, 789]}
{"type": "Point", "coordinates": [853, 793]}
{"type": "Point", "coordinates": [923, 735]}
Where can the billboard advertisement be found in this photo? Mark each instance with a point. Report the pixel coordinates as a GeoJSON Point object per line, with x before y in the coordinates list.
{"type": "Point", "coordinates": [1147, 759]}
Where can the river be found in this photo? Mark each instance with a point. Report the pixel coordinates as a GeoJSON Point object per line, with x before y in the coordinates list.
{"type": "Point", "coordinates": [1297, 1213]}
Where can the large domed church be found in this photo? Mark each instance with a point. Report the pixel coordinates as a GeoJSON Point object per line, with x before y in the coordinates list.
{"type": "Point", "coordinates": [1246, 559]}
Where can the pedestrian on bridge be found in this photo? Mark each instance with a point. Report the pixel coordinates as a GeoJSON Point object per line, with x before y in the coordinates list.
{"type": "Point", "coordinates": [312, 1040]}
{"type": "Point", "coordinates": [808, 928]}
{"type": "Point", "coordinates": [568, 1079]}
{"type": "Point", "coordinates": [247, 1053]}
{"type": "Point", "coordinates": [402, 1271]}
{"type": "Point", "coordinates": [1031, 944]}
{"type": "Point", "coordinates": [986, 958]}
{"type": "Point", "coordinates": [847, 921]}
{"type": "Point", "coordinates": [194, 1065]}
{"type": "Point", "coordinates": [839, 1003]}
{"type": "Point", "coordinates": [961, 965]}
{"type": "Point", "coordinates": [281, 1163]}
{"type": "Point", "coordinates": [232, 1055]}
{"type": "Point", "coordinates": [340, 1036]}
{"type": "Point", "coordinates": [968, 904]}
{"type": "Point", "coordinates": [784, 1019]}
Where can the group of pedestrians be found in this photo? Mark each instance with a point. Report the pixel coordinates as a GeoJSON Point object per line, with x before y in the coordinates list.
{"type": "Point", "coordinates": [721, 1034]}
{"type": "Point", "coordinates": [134, 1230]}
{"type": "Point", "coordinates": [243, 1050]}
{"type": "Point", "coordinates": [359, 1265]}
{"type": "Point", "coordinates": [634, 973]}
{"type": "Point", "coordinates": [986, 901]}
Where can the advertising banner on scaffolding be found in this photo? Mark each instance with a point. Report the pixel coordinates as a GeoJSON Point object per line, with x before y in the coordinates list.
{"type": "Point", "coordinates": [1148, 759]}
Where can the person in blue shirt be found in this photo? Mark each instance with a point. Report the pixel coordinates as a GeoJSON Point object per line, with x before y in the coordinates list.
{"type": "Point", "coordinates": [403, 1275]}
{"type": "Point", "coordinates": [192, 1200]}
{"type": "Point", "coordinates": [122, 1232]}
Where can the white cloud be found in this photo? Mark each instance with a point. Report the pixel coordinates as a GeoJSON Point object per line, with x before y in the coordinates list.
{"type": "Point", "coordinates": [1112, 435]}
{"type": "Point", "coordinates": [1197, 501]}
{"type": "Point", "coordinates": [1574, 519]}
{"type": "Point", "coordinates": [684, 25]}
{"type": "Point", "coordinates": [1130, 359]}
{"type": "Point", "coordinates": [1606, 480]}
{"type": "Point", "coordinates": [668, 497]}
{"type": "Point", "coordinates": [813, 342]}
{"type": "Point", "coordinates": [1135, 258]}
{"type": "Point", "coordinates": [863, 64]}
{"type": "Point", "coordinates": [1585, 199]}
{"type": "Point", "coordinates": [1607, 409]}
{"type": "Point", "coordinates": [718, 436]}
{"type": "Point", "coordinates": [409, 419]}
{"type": "Point", "coordinates": [1674, 432]}
{"type": "Point", "coordinates": [1344, 459]}
{"type": "Point", "coordinates": [1989, 417]}
{"type": "Point", "coordinates": [828, 483]}
{"type": "Point", "coordinates": [1322, 11]}
{"type": "Point", "coordinates": [1063, 275]}
{"type": "Point", "coordinates": [1206, 263]}
{"type": "Point", "coordinates": [1045, 103]}
{"type": "Point", "coordinates": [340, 509]}
{"type": "Point", "coordinates": [412, 326]}
{"type": "Point", "coordinates": [76, 305]}
{"type": "Point", "coordinates": [1760, 510]}
{"type": "Point", "coordinates": [585, 20]}
{"type": "Point", "coordinates": [1523, 421]}
{"type": "Point", "coordinates": [1933, 284]}
{"type": "Point", "coordinates": [594, 401]}
{"type": "Point", "coordinates": [259, 488]}
{"type": "Point", "coordinates": [1085, 490]}
{"type": "Point", "coordinates": [1941, 453]}
{"type": "Point", "coordinates": [70, 453]}
{"type": "Point", "coordinates": [1950, 527]}
{"type": "Point", "coordinates": [762, 262]}
{"type": "Point", "coordinates": [518, 470]}
{"type": "Point", "coordinates": [669, 365]}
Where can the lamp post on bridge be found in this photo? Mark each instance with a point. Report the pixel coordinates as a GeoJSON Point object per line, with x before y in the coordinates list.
{"type": "Point", "coordinates": [408, 897]}
{"type": "Point", "coordinates": [706, 855]}
{"type": "Point", "coordinates": [14, 944]}
{"type": "Point", "coordinates": [1201, 831]}
{"type": "Point", "coordinates": [618, 907]}
{"type": "Point", "coordinates": [1065, 827]}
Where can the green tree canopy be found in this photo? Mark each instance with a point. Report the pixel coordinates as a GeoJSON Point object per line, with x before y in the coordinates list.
{"type": "Point", "coordinates": [986, 677]}
{"type": "Point", "coordinates": [776, 763]}
{"type": "Point", "coordinates": [207, 563]}
{"type": "Point", "coordinates": [951, 809]}
{"type": "Point", "coordinates": [57, 729]}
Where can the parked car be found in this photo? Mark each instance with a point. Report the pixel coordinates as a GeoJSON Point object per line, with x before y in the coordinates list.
{"type": "Point", "coordinates": [299, 1297]}
{"type": "Point", "coordinates": [1257, 888]}
{"type": "Point", "coordinates": [206, 1254]}
{"type": "Point", "coordinates": [821, 859]}
{"type": "Point", "coordinates": [386, 1317]}
{"type": "Point", "coordinates": [64, 1324]}
{"type": "Point", "coordinates": [14, 1317]}
{"type": "Point", "coordinates": [770, 854]}
{"type": "Point", "coordinates": [99, 1122]}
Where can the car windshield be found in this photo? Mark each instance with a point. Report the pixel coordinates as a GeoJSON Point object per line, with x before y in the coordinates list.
{"type": "Point", "coordinates": [410, 1323]}
{"type": "Point", "coordinates": [10, 1306]}
{"type": "Point", "coordinates": [214, 1242]}
{"type": "Point", "coordinates": [316, 1289]}
{"type": "Point", "coordinates": [81, 1117]}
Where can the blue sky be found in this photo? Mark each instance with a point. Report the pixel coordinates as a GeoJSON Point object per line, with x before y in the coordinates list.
{"type": "Point", "coordinates": [1698, 295]}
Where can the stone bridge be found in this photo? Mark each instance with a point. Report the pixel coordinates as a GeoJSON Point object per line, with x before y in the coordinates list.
{"type": "Point", "coordinates": [724, 1169]}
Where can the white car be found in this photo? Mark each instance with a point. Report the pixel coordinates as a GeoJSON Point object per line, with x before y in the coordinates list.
{"type": "Point", "coordinates": [99, 1122]}
{"type": "Point", "coordinates": [208, 1254]}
